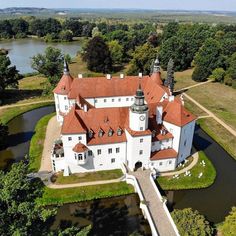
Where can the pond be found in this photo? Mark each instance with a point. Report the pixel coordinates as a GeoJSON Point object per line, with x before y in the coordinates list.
{"type": "Point", "coordinates": [216, 201]}
{"type": "Point", "coordinates": [21, 51]}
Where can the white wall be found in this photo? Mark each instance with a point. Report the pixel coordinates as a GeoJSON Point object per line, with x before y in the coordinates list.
{"type": "Point", "coordinates": [59, 164]}
{"type": "Point", "coordinates": [74, 141]}
{"type": "Point", "coordinates": [62, 105]}
{"type": "Point", "coordinates": [134, 146]}
{"type": "Point", "coordinates": [135, 123]}
{"type": "Point", "coordinates": [164, 165]}
{"type": "Point", "coordinates": [186, 140]}
{"type": "Point", "coordinates": [164, 144]}
{"type": "Point", "coordinates": [97, 162]}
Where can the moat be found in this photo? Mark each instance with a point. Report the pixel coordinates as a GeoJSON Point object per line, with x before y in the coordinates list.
{"type": "Point", "coordinates": [214, 202]}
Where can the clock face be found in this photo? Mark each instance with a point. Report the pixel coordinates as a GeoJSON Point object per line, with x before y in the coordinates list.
{"type": "Point", "coordinates": [142, 118]}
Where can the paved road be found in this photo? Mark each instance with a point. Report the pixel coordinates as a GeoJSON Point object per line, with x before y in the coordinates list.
{"type": "Point", "coordinates": [154, 204]}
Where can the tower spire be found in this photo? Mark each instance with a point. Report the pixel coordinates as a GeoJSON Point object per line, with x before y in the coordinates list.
{"type": "Point", "coordinates": [139, 105]}
{"type": "Point", "coordinates": [66, 70]}
{"type": "Point", "coordinates": [156, 65]}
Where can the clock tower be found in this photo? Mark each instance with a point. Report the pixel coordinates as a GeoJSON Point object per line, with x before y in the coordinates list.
{"type": "Point", "coordinates": [138, 114]}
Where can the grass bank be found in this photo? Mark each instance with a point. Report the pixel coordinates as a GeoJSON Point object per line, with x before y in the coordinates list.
{"type": "Point", "coordinates": [191, 182]}
{"type": "Point", "coordinates": [37, 142]}
{"type": "Point", "coordinates": [87, 177]}
{"type": "Point", "coordinates": [7, 114]}
{"type": "Point", "coordinates": [222, 136]}
{"type": "Point", "coordinates": [79, 194]}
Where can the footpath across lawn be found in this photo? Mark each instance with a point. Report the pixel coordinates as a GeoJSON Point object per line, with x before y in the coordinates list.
{"type": "Point", "coordinates": [191, 182]}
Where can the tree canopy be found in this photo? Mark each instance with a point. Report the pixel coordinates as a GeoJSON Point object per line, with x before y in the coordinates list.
{"type": "Point", "coordinates": [229, 226]}
{"type": "Point", "coordinates": [191, 223]}
{"type": "Point", "coordinates": [9, 75]}
{"type": "Point", "coordinates": [98, 56]}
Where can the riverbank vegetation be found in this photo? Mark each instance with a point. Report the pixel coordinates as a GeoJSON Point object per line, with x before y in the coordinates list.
{"type": "Point", "coordinates": [194, 181]}
{"type": "Point", "coordinates": [7, 114]}
{"type": "Point", "coordinates": [69, 195]}
{"type": "Point", "coordinates": [190, 222]}
{"type": "Point", "coordinates": [228, 227]}
{"type": "Point", "coordinates": [37, 143]}
{"type": "Point", "coordinates": [58, 178]}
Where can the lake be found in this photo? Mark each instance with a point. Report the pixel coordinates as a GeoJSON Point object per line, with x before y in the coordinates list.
{"type": "Point", "coordinates": [21, 51]}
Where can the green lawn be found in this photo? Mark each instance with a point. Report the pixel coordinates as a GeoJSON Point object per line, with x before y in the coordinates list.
{"type": "Point", "coordinates": [69, 195]}
{"type": "Point", "coordinates": [33, 82]}
{"type": "Point", "coordinates": [7, 114]}
{"type": "Point", "coordinates": [87, 177]}
{"type": "Point", "coordinates": [191, 182]}
{"type": "Point", "coordinates": [37, 142]}
{"type": "Point", "coordinates": [219, 134]}
{"type": "Point", "coordinates": [192, 107]}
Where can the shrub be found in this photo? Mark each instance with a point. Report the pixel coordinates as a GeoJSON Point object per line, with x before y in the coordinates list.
{"type": "Point", "coordinates": [218, 74]}
{"type": "Point", "coordinates": [228, 80]}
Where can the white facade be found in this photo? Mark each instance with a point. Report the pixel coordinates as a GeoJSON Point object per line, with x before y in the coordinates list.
{"type": "Point", "coordinates": [138, 147]}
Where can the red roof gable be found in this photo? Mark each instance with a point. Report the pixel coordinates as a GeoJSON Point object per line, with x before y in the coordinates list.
{"type": "Point", "coordinates": [79, 147]}
{"type": "Point", "coordinates": [64, 85]}
{"type": "Point", "coordinates": [163, 154]}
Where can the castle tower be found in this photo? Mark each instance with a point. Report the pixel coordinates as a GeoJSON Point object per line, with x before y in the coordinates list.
{"type": "Point", "coordinates": [156, 72]}
{"type": "Point", "coordinates": [138, 115]}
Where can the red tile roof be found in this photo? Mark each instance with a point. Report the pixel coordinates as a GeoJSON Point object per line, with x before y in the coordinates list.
{"type": "Point", "coordinates": [79, 147]}
{"type": "Point", "coordinates": [156, 77]}
{"type": "Point", "coordinates": [64, 85]}
{"type": "Point", "coordinates": [175, 113]}
{"type": "Point", "coordinates": [163, 154]}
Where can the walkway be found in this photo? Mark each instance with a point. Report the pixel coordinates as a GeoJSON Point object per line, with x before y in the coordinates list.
{"type": "Point", "coordinates": [25, 104]}
{"type": "Point", "coordinates": [193, 86]}
{"type": "Point", "coordinates": [232, 131]}
{"type": "Point", "coordinates": [154, 204]}
{"type": "Point", "coordinates": [189, 167]}
{"type": "Point", "coordinates": [52, 133]}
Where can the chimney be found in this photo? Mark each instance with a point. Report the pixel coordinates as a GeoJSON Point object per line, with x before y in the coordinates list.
{"type": "Point", "coordinates": [159, 113]}
{"type": "Point", "coordinates": [108, 76]}
{"type": "Point", "coordinates": [80, 76]}
{"type": "Point", "coordinates": [121, 76]}
{"type": "Point", "coordinates": [140, 75]}
{"type": "Point", "coordinates": [171, 98]}
{"type": "Point", "coordinates": [182, 99]}
{"type": "Point", "coordinates": [85, 108]}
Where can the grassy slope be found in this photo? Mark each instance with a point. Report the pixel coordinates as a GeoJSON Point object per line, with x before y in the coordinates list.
{"type": "Point", "coordinates": [219, 134]}
{"type": "Point", "coordinates": [36, 143]}
{"type": "Point", "coordinates": [86, 177]}
{"type": "Point", "coordinates": [69, 195]}
{"type": "Point", "coordinates": [8, 114]}
{"type": "Point", "coordinates": [193, 182]}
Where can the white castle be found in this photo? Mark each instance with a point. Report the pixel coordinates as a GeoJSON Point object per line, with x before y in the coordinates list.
{"type": "Point", "coordinates": [109, 121]}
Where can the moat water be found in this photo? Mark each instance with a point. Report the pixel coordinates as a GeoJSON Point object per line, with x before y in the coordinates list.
{"type": "Point", "coordinates": [214, 202]}
{"type": "Point", "coordinates": [21, 51]}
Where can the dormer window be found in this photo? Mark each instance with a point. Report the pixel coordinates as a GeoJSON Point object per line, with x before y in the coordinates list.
{"type": "Point", "coordinates": [100, 133]}
{"type": "Point", "coordinates": [110, 132]}
{"type": "Point", "coordinates": [119, 132]}
{"type": "Point", "coordinates": [90, 133]}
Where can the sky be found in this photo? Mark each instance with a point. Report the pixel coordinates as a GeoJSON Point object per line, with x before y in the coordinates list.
{"type": "Point", "coordinates": [221, 5]}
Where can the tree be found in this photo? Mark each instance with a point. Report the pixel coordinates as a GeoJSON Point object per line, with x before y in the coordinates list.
{"type": "Point", "coordinates": [49, 64]}
{"type": "Point", "coordinates": [170, 30]}
{"type": "Point", "coordinates": [218, 74]}
{"type": "Point", "coordinates": [20, 27]}
{"type": "Point", "coordinates": [142, 60]}
{"type": "Point", "coordinates": [66, 35]}
{"type": "Point", "coordinates": [97, 55]}
{"type": "Point", "coordinates": [36, 27]}
{"type": "Point", "coordinates": [19, 213]}
{"type": "Point", "coordinates": [5, 29]}
{"type": "Point", "coordinates": [231, 71]}
{"type": "Point", "coordinates": [51, 25]}
{"type": "Point", "coordinates": [9, 75]}
{"type": "Point", "coordinates": [116, 51]}
{"type": "Point", "coordinates": [3, 134]}
{"type": "Point", "coordinates": [229, 226]}
{"type": "Point", "coordinates": [74, 26]}
{"type": "Point", "coordinates": [191, 223]}
{"type": "Point", "coordinates": [208, 58]}
{"type": "Point", "coordinates": [169, 82]}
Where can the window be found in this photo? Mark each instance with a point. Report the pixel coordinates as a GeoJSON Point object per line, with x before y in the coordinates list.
{"type": "Point", "coordinates": [64, 98]}
{"type": "Point", "coordinates": [109, 150]}
{"type": "Point", "coordinates": [95, 100]}
{"type": "Point", "coordinates": [141, 140]}
{"type": "Point", "coordinates": [99, 151]}
{"type": "Point", "coordinates": [75, 156]}
{"type": "Point", "coordinates": [80, 157]}
{"type": "Point", "coordinates": [141, 128]}
{"type": "Point", "coordinates": [105, 100]}
{"type": "Point", "coordinates": [170, 162]}
{"type": "Point", "coordinates": [100, 133]}
{"type": "Point", "coordinates": [160, 142]}
{"type": "Point", "coordinates": [119, 99]}
{"type": "Point", "coordinates": [160, 163]}
{"type": "Point", "coordinates": [119, 132]}
{"type": "Point", "coordinates": [90, 153]}
{"type": "Point", "coordinates": [113, 160]}
{"type": "Point", "coordinates": [69, 138]}
{"type": "Point", "coordinates": [141, 152]}
{"type": "Point", "coordinates": [127, 99]}
{"type": "Point", "coordinates": [132, 99]}
{"type": "Point", "coordinates": [66, 108]}
{"type": "Point", "coordinates": [112, 99]}
{"type": "Point", "coordinates": [79, 138]}
{"type": "Point", "coordinates": [110, 132]}
{"type": "Point", "coordinates": [117, 150]}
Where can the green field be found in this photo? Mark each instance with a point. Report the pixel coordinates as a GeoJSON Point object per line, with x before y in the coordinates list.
{"type": "Point", "coordinates": [191, 182]}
